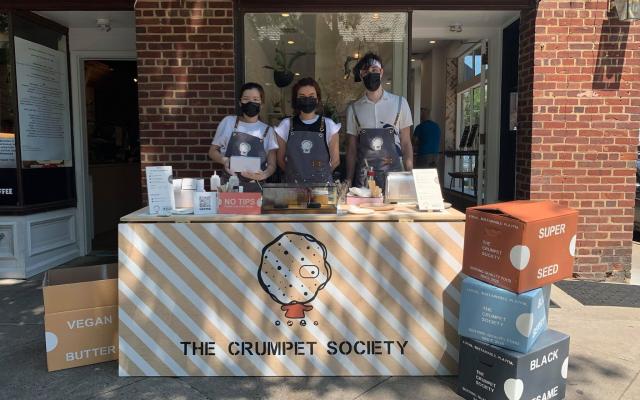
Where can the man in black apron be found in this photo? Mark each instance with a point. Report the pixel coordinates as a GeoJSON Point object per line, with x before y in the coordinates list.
{"type": "Point", "coordinates": [376, 149]}
{"type": "Point", "coordinates": [378, 125]}
{"type": "Point", "coordinates": [307, 156]}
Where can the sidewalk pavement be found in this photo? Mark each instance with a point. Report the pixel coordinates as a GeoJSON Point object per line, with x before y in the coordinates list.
{"type": "Point", "coordinates": [604, 363]}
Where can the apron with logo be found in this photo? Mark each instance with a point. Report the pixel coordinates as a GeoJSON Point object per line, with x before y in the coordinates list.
{"type": "Point", "coordinates": [245, 145]}
{"type": "Point", "coordinates": [378, 147]}
{"type": "Point", "coordinates": [307, 156]}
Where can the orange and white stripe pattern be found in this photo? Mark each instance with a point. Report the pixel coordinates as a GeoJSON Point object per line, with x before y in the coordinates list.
{"type": "Point", "coordinates": [391, 282]}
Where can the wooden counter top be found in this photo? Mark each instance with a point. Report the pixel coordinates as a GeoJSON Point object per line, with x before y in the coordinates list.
{"type": "Point", "coordinates": [401, 214]}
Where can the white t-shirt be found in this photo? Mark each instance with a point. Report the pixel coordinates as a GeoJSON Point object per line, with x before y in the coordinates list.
{"type": "Point", "coordinates": [257, 129]}
{"type": "Point", "coordinates": [331, 128]}
{"type": "Point", "coordinates": [377, 115]}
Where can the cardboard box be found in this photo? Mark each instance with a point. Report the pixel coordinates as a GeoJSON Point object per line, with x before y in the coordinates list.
{"type": "Point", "coordinates": [491, 373]}
{"type": "Point", "coordinates": [81, 315]}
{"type": "Point", "coordinates": [239, 203]}
{"type": "Point", "coordinates": [500, 317]}
{"type": "Point", "coordinates": [520, 245]}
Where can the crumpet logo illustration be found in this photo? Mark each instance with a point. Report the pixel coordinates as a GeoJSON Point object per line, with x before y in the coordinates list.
{"type": "Point", "coordinates": [293, 269]}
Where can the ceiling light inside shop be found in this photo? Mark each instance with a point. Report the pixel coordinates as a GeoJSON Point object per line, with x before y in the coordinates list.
{"type": "Point", "coordinates": [413, 60]}
{"type": "Point", "coordinates": [285, 14]}
{"type": "Point", "coordinates": [297, 74]}
{"type": "Point", "coordinates": [135, 80]}
{"type": "Point", "coordinates": [387, 27]}
{"type": "Point", "coordinates": [356, 55]}
{"type": "Point", "coordinates": [432, 42]}
{"type": "Point", "coordinates": [291, 42]}
{"type": "Point", "coordinates": [388, 83]}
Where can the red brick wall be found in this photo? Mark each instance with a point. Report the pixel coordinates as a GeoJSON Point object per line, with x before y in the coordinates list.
{"type": "Point", "coordinates": [185, 81]}
{"type": "Point", "coordinates": [580, 119]}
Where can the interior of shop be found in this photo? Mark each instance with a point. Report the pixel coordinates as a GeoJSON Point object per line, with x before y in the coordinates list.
{"type": "Point", "coordinates": [454, 71]}
{"type": "Point", "coordinates": [462, 73]}
{"type": "Point", "coordinates": [113, 142]}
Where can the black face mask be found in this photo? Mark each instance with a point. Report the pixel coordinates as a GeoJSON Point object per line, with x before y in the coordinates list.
{"type": "Point", "coordinates": [372, 81]}
{"type": "Point", "coordinates": [250, 109]}
{"type": "Point", "coordinates": [306, 104]}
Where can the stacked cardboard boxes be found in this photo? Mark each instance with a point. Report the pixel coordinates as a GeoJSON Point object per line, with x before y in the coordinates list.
{"type": "Point", "coordinates": [513, 252]}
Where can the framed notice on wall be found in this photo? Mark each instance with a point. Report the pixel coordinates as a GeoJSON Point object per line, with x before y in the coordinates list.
{"type": "Point", "coordinates": [43, 105]}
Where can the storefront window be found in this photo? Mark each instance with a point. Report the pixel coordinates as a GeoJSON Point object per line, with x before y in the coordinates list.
{"type": "Point", "coordinates": [7, 115]}
{"type": "Point", "coordinates": [280, 48]}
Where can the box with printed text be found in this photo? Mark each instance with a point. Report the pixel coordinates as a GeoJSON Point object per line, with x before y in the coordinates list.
{"type": "Point", "coordinates": [81, 315]}
{"type": "Point", "coordinates": [500, 317]}
{"type": "Point", "coordinates": [488, 372]}
{"type": "Point", "coordinates": [520, 245]}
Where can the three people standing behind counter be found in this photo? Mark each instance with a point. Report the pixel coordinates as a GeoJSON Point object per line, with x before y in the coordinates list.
{"type": "Point", "coordinates": [307, 144]}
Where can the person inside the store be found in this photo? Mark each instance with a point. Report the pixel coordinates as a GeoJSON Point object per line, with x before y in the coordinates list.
{"type": "Point", "coordinates": [378, 127]}
{"type": "Point", "coordinates": [308, 142]}
{"type": "Point", "coordinates": [427, 137]}
{"type": "Point", "coordinates": [246, 135]}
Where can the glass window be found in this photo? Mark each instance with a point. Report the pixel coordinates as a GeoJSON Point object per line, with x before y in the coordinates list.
{"type": "Point", "coordinates": [280, 48]}
{"type": "Point", "coordinates": [8, 173]}
{"type": "Point", "coordinates": [7, 114]}
{"type": "Point", "coordinates": [470, 64]}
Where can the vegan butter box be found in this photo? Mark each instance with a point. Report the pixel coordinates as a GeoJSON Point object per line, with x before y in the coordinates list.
{"type": "Point", "coordinates": [500, 317]}
{"type": "Point", "coordinates": [520, 245]}
{"type": "Point", "coordinates": [81, 315]}
{"type": "Point", "coordinates": [489, 372]}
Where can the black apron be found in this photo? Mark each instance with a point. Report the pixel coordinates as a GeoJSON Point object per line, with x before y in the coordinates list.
{"type": "Point", "coordinates": [245, 145]}
{"type": "Point", "coordinates": [378, 147]}
{"type": "Point", "coordinates": [307, 157]}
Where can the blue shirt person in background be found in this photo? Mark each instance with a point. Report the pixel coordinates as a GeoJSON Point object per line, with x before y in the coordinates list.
{"type": "Point", "coordinates": [427, 135]}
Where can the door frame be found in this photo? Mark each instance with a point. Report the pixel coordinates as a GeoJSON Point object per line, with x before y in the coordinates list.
{"type": "Point", "coordinates": [84, 210]}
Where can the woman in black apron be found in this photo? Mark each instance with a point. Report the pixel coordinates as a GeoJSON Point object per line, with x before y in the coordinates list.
{"type": "Point", "coordinates": [246, 136]}
{"type": "Point", "coordinates": [308, 143]}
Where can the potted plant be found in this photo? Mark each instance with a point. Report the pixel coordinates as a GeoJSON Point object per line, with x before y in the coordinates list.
{"type": "Point", "coordinates": [282, 74]}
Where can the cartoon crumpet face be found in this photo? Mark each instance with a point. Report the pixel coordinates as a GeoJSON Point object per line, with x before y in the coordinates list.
{"type": "Point", "coordinates": [376, 144]}
{"type": "Point", "coordinates": [245, 148]}
{"type": "Point", "coordinates": [306, 146]}
{"type": "Point", "coordinates": [293, 269]}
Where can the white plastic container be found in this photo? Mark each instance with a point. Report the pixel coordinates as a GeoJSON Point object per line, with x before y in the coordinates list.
{"type": "Point", "coordinates": [215, 182]}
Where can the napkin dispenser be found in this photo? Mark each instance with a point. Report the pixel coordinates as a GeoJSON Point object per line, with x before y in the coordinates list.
{"type": "Point", "coordinates": [400, 188]}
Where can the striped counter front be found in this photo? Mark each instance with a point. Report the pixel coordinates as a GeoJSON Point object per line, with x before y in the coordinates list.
{"type": "Point", "coordinates": [290, 296]}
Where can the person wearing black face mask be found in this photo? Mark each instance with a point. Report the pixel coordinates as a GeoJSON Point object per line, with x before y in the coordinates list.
{"type": "Point", "coordinates": [378, 127]}
{"type": "Point", "coordinates": [307, 142]}
{"type": "Point", "coordinates": [246, 135]}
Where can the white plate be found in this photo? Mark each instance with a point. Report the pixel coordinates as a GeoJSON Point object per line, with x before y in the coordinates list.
{"type": "Point", "coordinates": [357, 210]}
{"type": "Point", "coordinates": [182, 211]}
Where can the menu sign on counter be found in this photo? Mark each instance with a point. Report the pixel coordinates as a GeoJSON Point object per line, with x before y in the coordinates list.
{"type": "Point", "coordinates": [43, 104]}
{"type": "Point", "coordinates": [428, 189]}
{"type": "Point", "coordinates": [160, 190]}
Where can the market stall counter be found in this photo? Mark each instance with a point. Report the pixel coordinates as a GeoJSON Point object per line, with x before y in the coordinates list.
{"type": "Point", "coordinates": [290, 295]}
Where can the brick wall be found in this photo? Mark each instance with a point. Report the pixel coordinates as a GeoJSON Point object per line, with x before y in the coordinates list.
{"type": "Point", "coordinates": [185, 81]}
{"type": "Point", "coordinates": [579, 124]}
